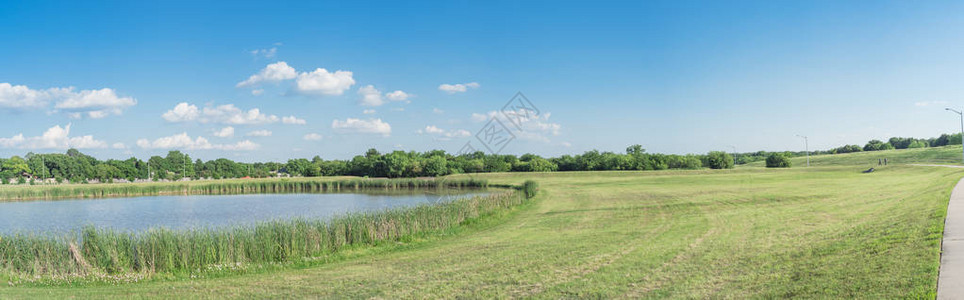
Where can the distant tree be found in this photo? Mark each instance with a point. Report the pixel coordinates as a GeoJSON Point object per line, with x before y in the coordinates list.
{"type": "Point", "coordinates": [16, 166]}
{"type": "Point", "coordinates": [719, 160]}
{"type": "Point", "coordinates": [876, 145]}
{"type": "Point", "coordinates": [778, 160]}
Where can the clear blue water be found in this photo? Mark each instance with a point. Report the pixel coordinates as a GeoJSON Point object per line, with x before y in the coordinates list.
{"type": "Point", "coordinates": [181, 212]}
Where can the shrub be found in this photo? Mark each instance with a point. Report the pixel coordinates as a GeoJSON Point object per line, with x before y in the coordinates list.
{"type": "Point", "coordinates": [530, 188]}
{"type": "Point", "coordinates": [778, 160]}
{"type": "Point", "coordinates": [719, 160]}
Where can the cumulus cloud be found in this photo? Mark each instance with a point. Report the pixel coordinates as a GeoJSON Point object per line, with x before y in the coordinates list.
{"type": "Point", "coordinates": [293, 120]}
{"type": "Point", "coordinates": [91, 103]}
{"type": "Point", "coordinates": [272, 73]}
{"type": "Point", "coordinates": [370, 96]}
{"type": "Point", "coordinates": [312, 137]}
{"type": "Point", "coordinates": [320, 82]}
{"type": "Point", "coordinates": [229, 114]}
{"type": "Point", "coordinates": [368, 111]}
{"type": "Point", "coordinates": [225, 132]}
{"type": "Point", "coordinates": [458, 87]}
{"type": "Point", "coordinates": [224, 114]}
{"type": "Point", "coordinates": [22, 97]}
{"type": "Point", "coordinates": [94, 103]}
{"type": "Point", "coordinates": [536, 128]}
{"type": "Point", "coordinates": [437, 111]}
{"type": "Point", "coordinates": [183, 141]}
{"type": "Point", "coordinates": [352, 125]}
{"type": "Point", "coordinates": [398, 96]}
{"type": "Point", "coordinates": [182, 112]}
{"type": "Point", "coordinates": [259, 133]}
{"type": "Point", "coordinates": [443, 134]}
{"type": "Point", "coordinates": [118, 146]}
{"type": "Point", "coordinates": [53, 138]}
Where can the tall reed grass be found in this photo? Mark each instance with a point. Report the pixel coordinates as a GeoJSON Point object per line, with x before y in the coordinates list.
{"type": "Point", "coordinates": [104, 251]}
{"type": "Point", "coordinates": [226, 187]}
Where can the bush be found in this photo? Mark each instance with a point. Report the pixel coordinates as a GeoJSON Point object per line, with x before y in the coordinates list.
{"type": "Point", "coordinates": [778, 160]}
{"type": "Point", "coordinates": [530, 188]}
{"type": "Point", "coordinates": [719, 160]}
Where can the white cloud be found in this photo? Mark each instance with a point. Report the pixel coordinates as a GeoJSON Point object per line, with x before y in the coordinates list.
{"type": "Point", "coordinates": [437, 111]}
{"type": "Point", "coordinates": [536, 128]}
{"type": "Point", "coordinates": [229, 114]}
{"type": "Point", "coordinates": [312, 137]}
{"type": "Point", "coordinates": [257, 92]}
{"type": "Point", "coordinates": [443, 134]}
{"type": "Point", "coordinates": [368, 111]}
{"type": "Point", "coordinates": [398, 96]}
{"type": "Point", "coordinates": [476, 117]}
{"type": "Point", "coordinates": [183, 141]}
{"type": "Point", "coordinates": [53, 138]}
{"type": "Point", "coordinates": [95, 103]}
{"type": "Point", "coordinates": [91, 103]}
{"type": "Point", "coordinates": [22, 97]}
{"type": "Point", "coordinates": [221, 114]}
{"type": "Point", "coordinates": [119, 146]}
{"type": "Point", "coordinates": [182, 112]}
{"type": "Point", "coordinates": [272, 73]}
{"type": "Point", "coordinates": [370, 96]}
{"type": "Point", "coordinates": [259, 133]}
{"type": "Point", "coordinates": [266, 53]}
{"type": "Point", "coordinates": [362, 126]}
{"type": "Point", "coordinates": [321, 82]}
{"type": "Point", "coordinates": [225, 132]}
{"type": "Point", "coordinates": [566, 144]}
{"type": "Point", "coordinates": [293, 120]}
{"type": "Point", "coordinates": [458, 87]}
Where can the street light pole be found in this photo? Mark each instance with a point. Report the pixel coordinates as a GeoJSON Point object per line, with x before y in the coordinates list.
{"type": "Point", "coordinates": [806, 144]}
{"type": "Point", "coordinates": [962, 128]}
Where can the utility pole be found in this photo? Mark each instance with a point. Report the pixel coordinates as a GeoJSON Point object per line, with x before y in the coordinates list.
{"type": "Point", "coordinates": [806, 144]}
{"type": "Point", "coordinates": [962, 129]}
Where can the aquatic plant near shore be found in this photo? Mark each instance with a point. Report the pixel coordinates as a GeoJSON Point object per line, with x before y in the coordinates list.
{"type": "Point", "coordinates": [109, 252]}
{"type": "Point", "coordinates": [237, 186]}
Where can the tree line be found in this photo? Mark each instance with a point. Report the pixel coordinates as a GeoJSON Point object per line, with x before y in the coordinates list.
{"type": "Point", "coordinates": [76, 167]}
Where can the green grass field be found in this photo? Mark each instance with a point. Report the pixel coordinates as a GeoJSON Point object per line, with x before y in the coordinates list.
{"type": "Point", "coordinates": [827, 231]}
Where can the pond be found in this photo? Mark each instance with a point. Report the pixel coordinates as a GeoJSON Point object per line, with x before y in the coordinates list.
{"type": "Point", "coordinates": [195, 211]}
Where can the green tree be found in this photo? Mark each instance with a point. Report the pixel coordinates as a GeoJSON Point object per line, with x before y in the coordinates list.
{"type": "Point", "coordinates": [16, 166]}
{"type": "Point", "coordinates": [778, 160]}
{"type": "Point", "coordinates": [719, 160]}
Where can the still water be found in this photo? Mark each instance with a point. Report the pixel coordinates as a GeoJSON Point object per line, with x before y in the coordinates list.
{"type": "Point", "coordinates": [179, 212]}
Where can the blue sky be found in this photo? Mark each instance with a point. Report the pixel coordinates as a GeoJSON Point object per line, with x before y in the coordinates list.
{"type": "Point", "coordinates": [674, 76]}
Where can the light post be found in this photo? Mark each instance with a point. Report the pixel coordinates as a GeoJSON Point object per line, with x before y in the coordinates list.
{"type": "Point", "coordinates": [806, 144]}
{"type": "Point", "coordinates": [962, 128]}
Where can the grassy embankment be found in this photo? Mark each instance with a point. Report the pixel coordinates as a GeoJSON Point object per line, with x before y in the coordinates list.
{"type": "Point", "coordinates": [230, 186]}
{"type": "Point", "coordinates": [823, 232]}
